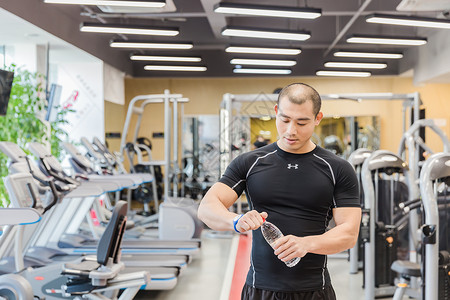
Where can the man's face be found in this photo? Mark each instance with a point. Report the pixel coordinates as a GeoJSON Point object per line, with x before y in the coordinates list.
{"type": "Point", "coordinates": [295, 125]}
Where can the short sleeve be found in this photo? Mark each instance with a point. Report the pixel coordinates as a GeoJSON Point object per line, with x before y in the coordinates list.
{"type": "Point", "coordinates": [346, 191]}
{"type": "Point", "coordinates": [235, 175]}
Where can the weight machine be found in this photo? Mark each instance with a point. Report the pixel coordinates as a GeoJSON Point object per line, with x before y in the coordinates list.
{"type": "Point", "coordinates": [231, 120]}
{"type": "Point", "coordinates": [177, 216]}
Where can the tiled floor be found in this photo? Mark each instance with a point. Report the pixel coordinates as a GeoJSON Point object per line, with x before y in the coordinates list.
{"type": "Point", "coordinates": [204, 277]}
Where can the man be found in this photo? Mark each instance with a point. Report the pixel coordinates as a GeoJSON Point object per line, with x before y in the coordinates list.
{"type": "Point", "coordinates": [260, 142]}
{"type": "Point", "coordinates": [297, 186]}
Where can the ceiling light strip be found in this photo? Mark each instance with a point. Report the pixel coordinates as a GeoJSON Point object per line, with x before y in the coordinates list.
{"type": "Point", "coordinates": [408, 21]}
{"type": "Point", "coordinates": [175, 68]}
{"type": "Point", "coordinates": [336, 64]}
{"type": "Point", "coordinates": [131, 3]}
{"type": "Point", "coordinates": [261, 50]}
{"type": "Point", "coordinates": [128, 29]}
{"type": "Point", "coordinates": [165, 58]}
{"type": "Point", "coordinates": [263, 62]}
{"type": "Point", "coordinates": [343, 74]}
{"type": "Point", "coordinates": [385, 40]}
{"type": "Point", "coordinates": [265, 33]}
{"type": "Point", "coordinates": [262, 71]}
{"type": "Point", "coordinates": [267, 11]}
{"type": "Point", "coordinates": [368, 54]}
{"type": "Point", "coordinates": [149, 45]}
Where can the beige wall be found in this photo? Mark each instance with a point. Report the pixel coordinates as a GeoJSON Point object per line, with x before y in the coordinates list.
{"type": "Point", "coordinates": [205, 95]}
{"type": "Point", "coordinates": [114, 120]}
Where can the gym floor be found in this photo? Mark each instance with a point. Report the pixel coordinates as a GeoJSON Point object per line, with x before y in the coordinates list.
{"type": "Point", "coordinates": [215, 273]}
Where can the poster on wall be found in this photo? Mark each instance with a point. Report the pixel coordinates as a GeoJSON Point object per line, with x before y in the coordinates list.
{"type": "Point", "coordinates": [82, 91]}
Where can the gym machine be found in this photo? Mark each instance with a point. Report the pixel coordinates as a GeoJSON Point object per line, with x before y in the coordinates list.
{"type": "Point", "coordinates": [382, 177]}
{"type": "Point", "coordinates": [434, 269]}
{"type": "Point", "coordinates": [233, 107]}
{"type": "Point", "coordinates": [177, 217]}
{"type": "Point", "coordinates": [97, 277]}
{"type": "Point", "coordinates": [356, 159]}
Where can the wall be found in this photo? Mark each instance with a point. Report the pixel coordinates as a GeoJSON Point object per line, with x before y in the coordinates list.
{"type": "Point", "coordinates": [206, 94]}
{"type": "Point", "coordinates": [114, 120]}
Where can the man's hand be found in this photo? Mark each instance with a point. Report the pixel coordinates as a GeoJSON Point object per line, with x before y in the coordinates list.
{"type": "Point", "coordinates": [250, 221]}
{"type": "Point", "coordinates": [289, 247]}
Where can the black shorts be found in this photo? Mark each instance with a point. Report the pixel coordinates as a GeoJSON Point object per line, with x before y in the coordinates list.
{"type": "Point", "coordinates": [250, 293]}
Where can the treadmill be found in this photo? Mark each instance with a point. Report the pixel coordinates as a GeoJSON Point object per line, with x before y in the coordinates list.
{"type": "Point", "coordinates": [81, 164]}
{"type": "Point", "coordinates": [22, 190]}
{"type": "Point", "coordinates": [72, 211]}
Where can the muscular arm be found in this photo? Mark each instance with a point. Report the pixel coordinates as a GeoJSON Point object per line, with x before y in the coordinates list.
{"type": "Point", "coordinates": [213, 210]}
{"type": "Point", "coordinates": [341, 237]}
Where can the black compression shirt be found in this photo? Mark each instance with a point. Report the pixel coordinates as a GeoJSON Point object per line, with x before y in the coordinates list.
{"type": "Point", "coordinates": [298, 191]}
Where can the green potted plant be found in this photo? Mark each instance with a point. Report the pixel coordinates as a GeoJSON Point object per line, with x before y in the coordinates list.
{"type": "Point", "coordinates": [22, 123]}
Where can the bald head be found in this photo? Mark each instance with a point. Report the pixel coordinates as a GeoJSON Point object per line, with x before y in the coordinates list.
{"type": "Point", "coordinates": [299, 93]}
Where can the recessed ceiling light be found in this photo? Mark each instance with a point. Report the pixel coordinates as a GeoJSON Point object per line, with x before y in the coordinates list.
{"type": "Point", "coordinates": [343, 73]}
{"type": "Point", "coordinates": [127, 3]}
{"type": "Point", "coordinates": [175, 68]}
{"type": "Point", "coordinates": [164, 58]}
{"type": "Point", "coordinates": [266, 33]}
{"type": "Point", "coordinates": [337, 64]}
{"type": "Point", "coordinates": [386, 40]}
{"type": "Point", "coordinates": [408, 21]}
{"type": "Point", "coordinates": [149, 45]}
{"type": "Point", "coordinates": [266, 10]}
{"type": "Point", "coordinates": [263, 62]}
{"type": "Point", "coordinates": [128, 29]}
{"type": "Point", "coordinates": [362, 54]}
{"type": "Point", "coordinates": [262, 71]}
{"type": "Point", "coordinates": [263, 50]}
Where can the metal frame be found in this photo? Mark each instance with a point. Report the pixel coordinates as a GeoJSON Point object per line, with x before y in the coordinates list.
{"type": "Point", "coordinates": [226, 114]}
{"type": "Point", "coordinates": [431, 172]}
{"type": "Point", "coordinates": [412, 142]}
{"type": "Point", "coordinates": [356, 159]}
{"type": "Point", "coordinates": [378, 159]}
{"type": "Point", "coordinates": [134, 109]}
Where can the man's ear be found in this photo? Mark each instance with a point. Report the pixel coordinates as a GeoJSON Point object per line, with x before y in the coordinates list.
{"type": "Point", "coordinates": [319, 118]}
{"type": "Point", "coordinates": [276, 109]}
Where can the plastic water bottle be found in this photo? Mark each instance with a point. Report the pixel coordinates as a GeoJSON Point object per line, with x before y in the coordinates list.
{"type": "Point", "coordinates": [271, 233]}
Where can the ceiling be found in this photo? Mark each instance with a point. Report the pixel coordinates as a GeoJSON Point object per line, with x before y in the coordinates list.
{"type": "Point", "coordinates": [199, 24]}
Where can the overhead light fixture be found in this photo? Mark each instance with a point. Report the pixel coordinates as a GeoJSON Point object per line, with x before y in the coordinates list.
{"type": "Point", "coordinates": [262, 71]}
{"type": "Point", "coordinates": [263, 62]}
{"type": "Point", "coordinates": [265, 118]}
{"type": "Point", "coordinates": [149, 45]}
{"type": "Point", "coordinates": [343, 73]}
{"type": "Point", "coordinates": [386, 40]}
{"type": "Point", "coordinates": [266, 33]}
{"type": "Point", "coordinates": [408, 21]}
{"type": "Point", "coordinates": [362, 54]}
{"type": "Point", "coordinates": [128, 29]}
{"type": "Point", "coordinates": [337, 64]}
{"type": "Point", "coordinates": [261, 50]}
{"type": "Point", "coordinates": [164, 58]}
{"type": "Point", "coordinates": [175, 68]}
{"type": "Point", "coordinates": [267, 11]}
{"type": "Point", "coordinates": [127, 3]}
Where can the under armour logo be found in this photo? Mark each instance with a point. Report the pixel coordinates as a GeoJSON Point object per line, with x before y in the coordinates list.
{"type": "Point", "coordinates": [289, 166]}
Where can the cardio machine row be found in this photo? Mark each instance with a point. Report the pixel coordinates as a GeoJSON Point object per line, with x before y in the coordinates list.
{"type": "Point", "coordinates": [67, 230]}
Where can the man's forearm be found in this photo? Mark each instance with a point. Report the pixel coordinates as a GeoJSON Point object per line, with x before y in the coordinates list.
{"type": "Point", "coordinates": [337, 239]}
{"type": "Point", "coordinates": [216, 216]}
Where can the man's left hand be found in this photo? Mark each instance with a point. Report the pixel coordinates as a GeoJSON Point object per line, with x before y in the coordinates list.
{"type": "Point", "coordinates": [289, 247]}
